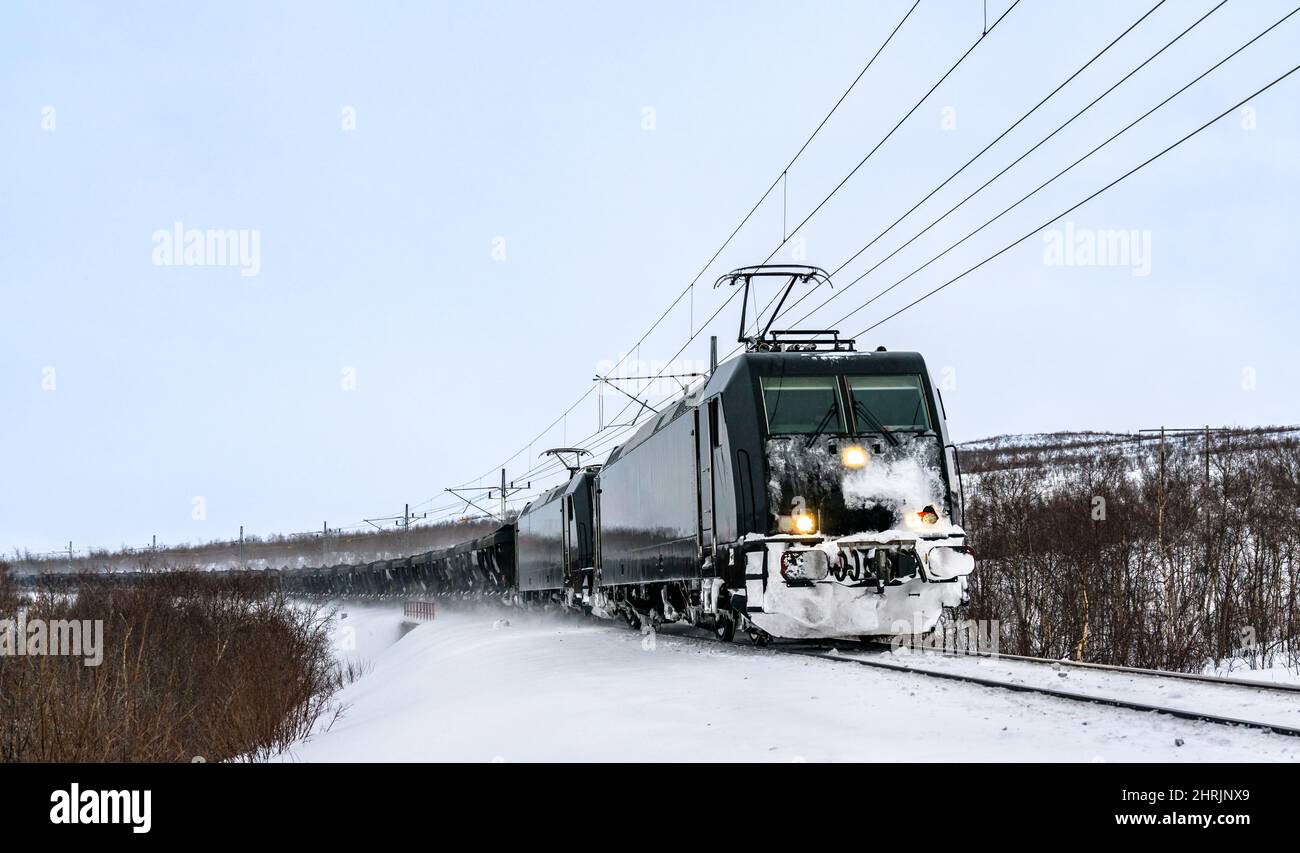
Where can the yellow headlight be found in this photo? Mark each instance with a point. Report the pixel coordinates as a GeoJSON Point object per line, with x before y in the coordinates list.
{"type": "Point", "coordinates": [805, 523]}
{"type": "Point", "coordinates": [853, 457]}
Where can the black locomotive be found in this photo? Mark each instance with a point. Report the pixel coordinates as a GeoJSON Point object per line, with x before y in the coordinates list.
{"type": "Point", "coordinates": [805, 490]}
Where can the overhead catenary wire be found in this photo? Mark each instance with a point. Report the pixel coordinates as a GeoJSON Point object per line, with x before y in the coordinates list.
{"type": "Point", "coordinates": [1068, 168]}
{"type": "Point", "coordinates": [885, 138]}
{"type": "Point", "coordinates": [1096, 56]}
{"type": "Point", "coordinates": [1072, 208]}
{"type": "Point", "coordinates": [689, 287]}
{"type": "Point", "coordinates": [1108, 141]}
{"type": "Point", "coordinates": [847, 177]}
{"type": "Point", "coordinates": [778, 180]}
{"type": "Point", "coordinates": [899, 124]}
{"type": "Point", "coordinates": [1013, 163]}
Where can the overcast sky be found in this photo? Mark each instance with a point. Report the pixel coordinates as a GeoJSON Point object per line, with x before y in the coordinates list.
{"type": "Point", "coordinates": [461, 212]}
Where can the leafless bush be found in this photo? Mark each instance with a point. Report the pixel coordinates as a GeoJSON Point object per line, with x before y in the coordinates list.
{"type": "Point", "coordinates": [193, 666]}
{"type": "Point", "coordinates": [9, 597]}
{"type": "Point", "coordinates": [1132, 555]}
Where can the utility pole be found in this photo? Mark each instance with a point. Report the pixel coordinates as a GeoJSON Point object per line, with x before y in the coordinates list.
{"type": "Point", "coordinates": [1207, 459]}
{"type": "Point", "coordinates": [69, 555]}
{"type": "Point", "coordinates": [506, 489]}
{"type": "Point", "coordinates": [241, 547]}
{"type": "Point", "coordinates": [1160, 545]}
{"type": "Point", "coordinates": [1160, 500]}
{"type": "Point", "coordinates": [403, 521]}
{"type": "Point", "coordinates": [1205, 498]}
{"type": "Point", "coordinates": [1185, 434]}
{"type": "Point", "coordinates": [324, 543]}
{"type": "Point", "coordinates": [613, 383]}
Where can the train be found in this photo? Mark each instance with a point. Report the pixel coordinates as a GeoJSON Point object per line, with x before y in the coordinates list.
{"type": "Point", "coordinates": [804, 490]}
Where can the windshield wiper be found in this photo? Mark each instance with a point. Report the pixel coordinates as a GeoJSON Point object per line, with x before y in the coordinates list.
{"type": "Point", "coordinates": [860, 408]}
{"type": "Point", "coordinates": [821, 427]}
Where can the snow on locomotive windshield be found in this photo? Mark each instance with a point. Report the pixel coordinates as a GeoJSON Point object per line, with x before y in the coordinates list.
{"type": "Point", "coordinates": [794, 460]}
{"type": "Point", "coordinates": [904, 479]}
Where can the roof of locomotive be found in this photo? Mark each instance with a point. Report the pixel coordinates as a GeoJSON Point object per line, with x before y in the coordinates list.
{"type": "Point", "coordinates": [745, 367]}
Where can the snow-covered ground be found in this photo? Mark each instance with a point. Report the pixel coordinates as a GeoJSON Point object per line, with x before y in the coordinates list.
{"type": "Point", "coordinates": [465, 687]}
{"type": "Point", "coordinates": [1281, 670]}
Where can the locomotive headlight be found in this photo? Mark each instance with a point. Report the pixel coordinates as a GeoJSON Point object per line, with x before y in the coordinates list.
{"type": "Point", "coordinates": [805, 524]}
{"type": "Point", "coordinates": [800, 566]}
{"type": "Point", "coordinates": [853, 457]}
{"type": "Point", "coordinates": [928, 516]}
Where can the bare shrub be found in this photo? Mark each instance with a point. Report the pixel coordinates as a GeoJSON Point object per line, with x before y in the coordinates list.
{"type": "Point", "coordinates": [9, 597]}
{"type": "Point", "coordinates": [194, 665]}
{"type": "Point", "coordinates": [1193, 562]}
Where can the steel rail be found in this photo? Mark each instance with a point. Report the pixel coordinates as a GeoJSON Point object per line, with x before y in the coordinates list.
{"type": "Point", "coordinates": [1127, 704]}
{"type": "Point", "coordinates": [1137, 670]}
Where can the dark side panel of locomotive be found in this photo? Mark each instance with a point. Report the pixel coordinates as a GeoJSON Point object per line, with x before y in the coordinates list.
{"type": "Point", "coordinates": [540, 557]}
{"type": "Point", "coordinates": [580, 522]}
{"type": "Point", "coordinates": [556, 536]}
{"type": "Point", "coordinates": [688, 480]}
{"type": "Point", "coordinates": [649, 508]}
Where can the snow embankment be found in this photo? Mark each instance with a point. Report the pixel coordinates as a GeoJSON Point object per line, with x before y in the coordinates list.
{"type": "Point", "coordinates": [466, 687]}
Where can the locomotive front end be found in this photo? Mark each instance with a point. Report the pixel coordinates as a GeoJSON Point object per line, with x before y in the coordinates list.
{"type": "Point", "coordinates": [864, 535]}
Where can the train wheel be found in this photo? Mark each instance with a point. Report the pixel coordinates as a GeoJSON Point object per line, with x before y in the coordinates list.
{"type": "Point", "coordinates": [725, 629]}
{"type": "Point", "coordinates": [758, 638]}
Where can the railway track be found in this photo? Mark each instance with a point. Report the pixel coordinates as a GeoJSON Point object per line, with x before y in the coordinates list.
{"type": "Point", "coordinates": [876, 662]}
{"type": "Point", "coordinates": [1132, 670]}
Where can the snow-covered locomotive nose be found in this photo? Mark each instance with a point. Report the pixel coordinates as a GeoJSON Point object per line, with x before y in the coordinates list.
{"type": "Point", "coordinates": [887, 557]}
{"type": "Point", "coordinates": [857, 585]}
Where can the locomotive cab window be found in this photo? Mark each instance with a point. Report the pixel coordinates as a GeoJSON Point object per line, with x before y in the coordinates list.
{"type": "Point", "coordinates": [896, 402]}
{"type": "Point", "coordinates": [803, 405]}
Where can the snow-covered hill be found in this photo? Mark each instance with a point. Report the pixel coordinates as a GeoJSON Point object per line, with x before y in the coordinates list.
{"type": "Point", "coordinates": [1064, 449]}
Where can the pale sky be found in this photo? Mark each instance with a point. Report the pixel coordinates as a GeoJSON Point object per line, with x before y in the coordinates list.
{"type": "Point", "coordinates": [462, 211]}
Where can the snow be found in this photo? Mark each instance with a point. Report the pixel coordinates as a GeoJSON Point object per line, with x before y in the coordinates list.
{"type": "Point", "coordinates": [467, 687]}
{"type": "Point", "coordinates": [905, 479]}
{"type": "Point", "coordinates": [1281, 670]}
